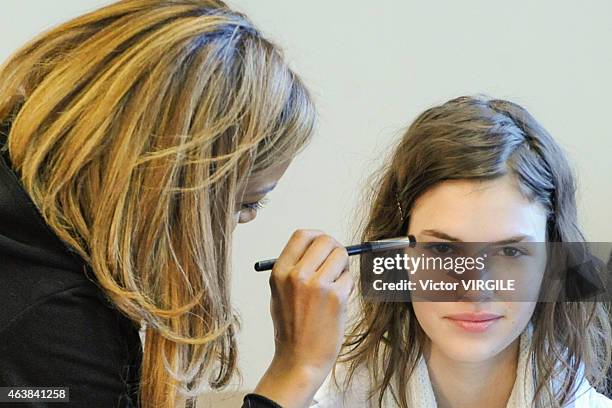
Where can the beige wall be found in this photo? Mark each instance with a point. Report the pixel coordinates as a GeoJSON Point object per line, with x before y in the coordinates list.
{"type": "Point", "coordinates": [373, 66]}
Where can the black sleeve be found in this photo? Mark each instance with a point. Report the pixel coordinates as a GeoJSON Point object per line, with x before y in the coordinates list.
{"type": "Point", "coordinates": [258, 401]}
{"type": "Point", "coordinates": [72, 339]}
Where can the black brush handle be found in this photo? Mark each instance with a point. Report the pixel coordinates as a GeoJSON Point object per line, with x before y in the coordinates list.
{"type": "Point", "coordinates": [357, 249]}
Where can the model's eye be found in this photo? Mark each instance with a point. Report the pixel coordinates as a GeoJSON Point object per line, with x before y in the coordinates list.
{"type": "Point", "coordinates": [441, 248]}
{"type": "Point", "coordinates": [511, 252]}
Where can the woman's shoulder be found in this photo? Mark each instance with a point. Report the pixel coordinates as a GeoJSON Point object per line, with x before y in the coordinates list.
{"type": "Point", "coordinates": [588, 397]}
{"type": "Point", "coordinates": [598, 400]}
{"type": "Point", "coordinates": [357, 393]}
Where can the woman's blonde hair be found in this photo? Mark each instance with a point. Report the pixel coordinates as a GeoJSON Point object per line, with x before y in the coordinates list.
{"type": "Point", "coordinates": [133, 128]}
{"type": "Point", "coordinates": [477, 138]}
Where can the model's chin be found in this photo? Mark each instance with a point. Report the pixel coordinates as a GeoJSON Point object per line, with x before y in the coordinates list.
{"type": "Point", "coordinates": [471, 346]}
{"type": "Point", "coordinates": [472, 355]}
{"type": "Point", "coordinates": [470, 351]}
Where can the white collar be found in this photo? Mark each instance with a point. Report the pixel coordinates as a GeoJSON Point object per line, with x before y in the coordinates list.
{"type": "Point", "coordinates": [332, 395]}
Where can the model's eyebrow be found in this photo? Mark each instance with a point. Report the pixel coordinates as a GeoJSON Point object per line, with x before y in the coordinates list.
{"type": "Point", "coordinates": [510, 240]}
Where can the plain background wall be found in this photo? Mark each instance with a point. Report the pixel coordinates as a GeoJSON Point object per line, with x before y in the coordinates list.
{"type": "Point", "coordinates": [373, 67]}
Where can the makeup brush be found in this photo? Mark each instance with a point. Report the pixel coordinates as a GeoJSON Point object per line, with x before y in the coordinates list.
{"type": "Point", "coordinates": [369, 246]}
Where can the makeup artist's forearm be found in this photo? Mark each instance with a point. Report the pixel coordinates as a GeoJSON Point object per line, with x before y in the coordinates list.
{"type": "Point", "coordinates": [290, 388]}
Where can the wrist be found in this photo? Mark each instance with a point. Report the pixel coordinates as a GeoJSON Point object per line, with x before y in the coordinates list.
{"type": "Point", "coordinates": [290, 385]}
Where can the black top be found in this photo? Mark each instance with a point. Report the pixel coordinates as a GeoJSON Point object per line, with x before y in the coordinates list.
{"type": "Point", "coordinates": [57, 328]}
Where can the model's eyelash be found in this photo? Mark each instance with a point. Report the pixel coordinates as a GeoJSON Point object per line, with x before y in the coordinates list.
{"type": "Point", "coordinates": [437, 246]}
{"type": "Point", "coordinates": [517, 250]}
{"type": "Point", "coordinates": [440, 247]}
{"type": "Point", "coordinates": [257, 205]}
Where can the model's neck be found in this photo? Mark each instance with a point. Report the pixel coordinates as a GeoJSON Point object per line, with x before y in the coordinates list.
{"type": "Point", "coordinates": [482, 384]}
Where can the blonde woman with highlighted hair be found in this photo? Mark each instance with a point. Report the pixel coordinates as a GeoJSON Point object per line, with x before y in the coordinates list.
{"type": "Point", "coordinates": [134, 139]}
{"type": "Point", "coordinates": [475, 170]}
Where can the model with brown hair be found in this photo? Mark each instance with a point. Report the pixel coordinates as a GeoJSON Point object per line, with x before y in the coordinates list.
{"type": "Point", "coordinates": [482, 170]}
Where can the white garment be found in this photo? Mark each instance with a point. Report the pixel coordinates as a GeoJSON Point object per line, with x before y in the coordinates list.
{"type": "Point", "coordinates": [421, 395]}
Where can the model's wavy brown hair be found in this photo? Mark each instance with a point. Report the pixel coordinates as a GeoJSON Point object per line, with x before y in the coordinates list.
{"type": "Point", "coordinates": [134, 128]}
{"type": "Point", "coordinates": [477, 138]}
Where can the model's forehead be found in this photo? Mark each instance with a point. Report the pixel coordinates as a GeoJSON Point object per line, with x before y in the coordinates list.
{"type": "Point", "coordinates": [478, 211]}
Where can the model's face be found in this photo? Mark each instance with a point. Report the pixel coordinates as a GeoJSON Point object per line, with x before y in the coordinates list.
{"type": "Point", "coordinates": [482, 212]}
{"type": "Point", "coordinates": [250, 198]}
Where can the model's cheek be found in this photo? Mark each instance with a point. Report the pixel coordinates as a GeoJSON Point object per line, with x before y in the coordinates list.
{"type": "Point", "coordinates": [428, 314]}
{"type": "Point", "coordinates": [520, 313]}
{"type": "Point", "coordinates": [518, 316]}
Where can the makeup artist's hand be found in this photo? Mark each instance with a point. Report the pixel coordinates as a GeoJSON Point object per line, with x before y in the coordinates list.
{"type": "Point", "coordinates": [310, 290]}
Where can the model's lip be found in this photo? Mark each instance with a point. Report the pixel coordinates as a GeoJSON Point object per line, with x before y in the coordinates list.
{"type": "Point", "coordinates": [474, 317]}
